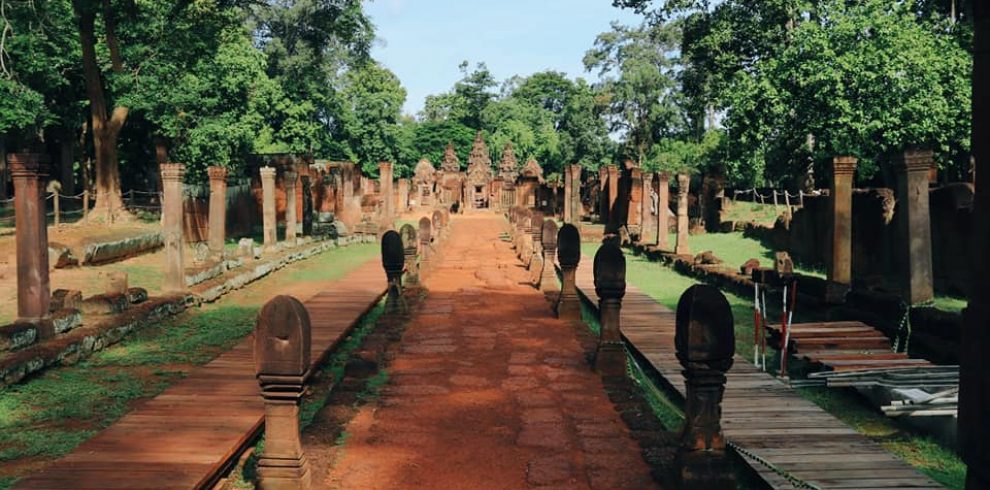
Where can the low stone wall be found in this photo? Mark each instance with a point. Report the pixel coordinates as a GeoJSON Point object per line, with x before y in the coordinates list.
{"type": "Point", "coordinates": [28, 357]}
{"type": "Point", "coordinates": [103, 252]}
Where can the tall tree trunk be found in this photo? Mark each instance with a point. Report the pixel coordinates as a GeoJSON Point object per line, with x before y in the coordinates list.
{"type": "Point", "coordinates": [66, 159]}
{"type": "Point", "coordinates": [106, 127]}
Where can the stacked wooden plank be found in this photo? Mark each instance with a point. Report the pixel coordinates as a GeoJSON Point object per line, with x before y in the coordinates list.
{"type": "Point", "coordinates": [842, 346]}
{"type": "Point", "coordinates": [788, 441]}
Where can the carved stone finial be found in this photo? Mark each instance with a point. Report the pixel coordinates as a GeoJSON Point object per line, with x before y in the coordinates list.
{"type": "Point", "coordinates": [610, 286]}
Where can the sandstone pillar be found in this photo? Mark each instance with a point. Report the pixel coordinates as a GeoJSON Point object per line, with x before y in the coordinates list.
{"type": "Point", "coordinates": [175, 269]}
{"type": "Point", "coordinates": [282, 340]}
{"type": "Point", "coordinates": [705, 343]}
{"type": "Point", "coordinates": [648, 234]}
{"type": "Point", "coordinates": [663, 210]}
{"type": "Point", "coordinates": [410, 247]}
{"type": "Point", "coordinates": [610, 286]}
{"type": "Point", "coordinates": [269, 219]}
{"type": "Point", "coordinates": [613, 195]}
{"type": "Point", "coordinates": [914, 226]}
{"type": "Point", "coordinates": [403, 204]}
{"type": "Point", "coordinates": [307, 205]}
{"type": "Point", "coordinates": [290, 178]}
{"type": "Point", "coordinates": [603, 194]}
{"type": "Point", "coordinates": [29, 171]}
{"type": "Point", "coordinates": [683, 183]}
{"type": "Point", "coordinates": [568, 305]}
{"type": "Point", "coordinates": [575, 201]}
{"type": "Point", "coordinates": [634, 214]}
{"type": "Point", "coordinates": [387, 194]}
{"type": "Point", "coordinates": [567, 194]}
{"type": "Point", "coordinates": [218, 208]}
{"type": "Point", "coordinates": [425, 250]}
{"type": "Point", "coordinates": [840, 265]}
{"type": "Point", "coordinates": [974, 374]}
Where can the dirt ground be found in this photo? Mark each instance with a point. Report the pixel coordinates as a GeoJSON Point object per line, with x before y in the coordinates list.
{"type": "Point", "coordinates": [488, 390]}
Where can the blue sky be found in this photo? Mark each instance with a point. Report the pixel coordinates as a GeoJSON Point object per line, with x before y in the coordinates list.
{"type": "Point", "coordinates": [424, 41]}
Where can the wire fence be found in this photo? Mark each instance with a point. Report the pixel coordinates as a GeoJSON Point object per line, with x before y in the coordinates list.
{"type": "Point", "coordinates": [66, 209]}
{"type": "Point", "coordinates": [773, 197]}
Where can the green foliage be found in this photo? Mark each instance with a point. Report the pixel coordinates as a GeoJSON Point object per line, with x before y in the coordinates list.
{"type": "Point", "coordinates": [372, 99]}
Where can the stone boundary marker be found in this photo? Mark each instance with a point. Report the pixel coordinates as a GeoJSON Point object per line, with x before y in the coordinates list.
{"type": "Point", "coordinates": [75, 344]}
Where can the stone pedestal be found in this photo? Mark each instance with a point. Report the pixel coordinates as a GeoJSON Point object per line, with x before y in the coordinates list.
{"type": "Point", "coordinates": [291, 223]}
{"type": "Point", "coordinates": [663, 210]}
{"type": "Point", "coordinates": [29, 171]}
{"type": "Point", "coordinates": [840, 265]}
{"type": "Point", "coordinates": [683, 184]}
{"type": "Point", "coordinates": [269, 219]}
{"type": "Point", "coordinates": [394, 262]}
{"type": "Point", "coordinates": [648, 234]}
{"type": "Point", "coordinates": [568, 306]}
{"type": "Point", "coordinates": [914, 226]}
{"type": "Point", "coordinates": [548, 278]}
{"type": "Point", "coordinates": [705, 343]}
{"type": "Point", "coordinates": [175, 269]}
{"type": "Point", "coordinates": [218, 209]}
{"type": "Point", "coordinates": [282, 360]}
{"type": "Point", "coordinates": [610, 286]}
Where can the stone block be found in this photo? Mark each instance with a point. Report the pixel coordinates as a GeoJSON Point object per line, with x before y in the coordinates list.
{"type": "Point", "coordinates": [105, 304]}
{"type": "Point", "coordinates": [137, 295]}
{"type": "Point", "coordinates": [115, 282]}
{"type": "Point", "coordinates": [66, 298]}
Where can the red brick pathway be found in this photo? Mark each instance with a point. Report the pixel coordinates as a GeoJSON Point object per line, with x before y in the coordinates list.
{"type": "Point", "coordinates": [488, 390]}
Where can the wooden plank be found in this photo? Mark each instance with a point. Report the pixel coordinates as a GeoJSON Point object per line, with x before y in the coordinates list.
{"type": "Point", "coordinates": [189, 433]}
{"type": "Point", "coordinates": [766, 417]}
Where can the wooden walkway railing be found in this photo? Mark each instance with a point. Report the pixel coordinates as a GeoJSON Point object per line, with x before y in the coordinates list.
{"type": "Point", "coordinates": [775, 430]}
{"type": "Point", "coordinates": [190, 434]}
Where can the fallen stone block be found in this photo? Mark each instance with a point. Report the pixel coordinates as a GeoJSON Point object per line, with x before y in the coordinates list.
{"type": "Point", "coordinates": [105, 304]}
{"type": "Point", "coordinates": [136, 295]}
{"type": "Point", "coordinates": [66, 298]}
{"type": "Point", "coordinates": [115, 282]}
{"type": "Point", "coordinates": [60, 256]}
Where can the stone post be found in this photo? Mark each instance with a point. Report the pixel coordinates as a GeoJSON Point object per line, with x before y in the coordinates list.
{"type": "Point", "coordinates": [28, 171]}
{"type": "Point", "coordinates": [290, 177]}
{"type": "Point", "coordinates": [648, 235]}
{"type": "Point", "coordinates": [394, 262]}
{"type": "Point", "coordinates": [663, 209]}
{"type": "Point", "coordinates": [307, 205]}
{"type": "Point", "coordinates": [403, 196]}
{"type": "Point", "coordinates": [387, 195]}
{"type": "Point", "coordinates": [840, 267]}
{"type": "Point", "coordinates": [218, 209]}
{"type": "Point", "coordinates": [175, 269]}
{"type": "Point", "coordinates": [575, 201]}
{"type": "Point", "coordinates": [269, 218]}
{"type": "Point", "coordinates": [567, 194]}
{"type": "Point", "coordinates": [914, 226]}
{"type": "Point", "coordinates": [410, 246]}
{"type": "Point", "coordinates": [705, 343]}
{"type": "Point", "coordinates": [610, 285]}
{"type": "Point", "coordinates": [634, 213]}
{"type": "Point", "coordinates": [425, 250]}
{"type": "Point", "coordinates": [536, 232]}
{"type": "Point", "coordinates": [683, 182]}
{"type": "Point", "coordinates": [282, 339]}
{"type": "Point", "coordinates": [548, 279]}
{"type": "Point", "coordinates": [613, 195]}
{"type": "Point", "coordinates": [568, 305]}
{"type": "Point", "coordinates": [974, 373]}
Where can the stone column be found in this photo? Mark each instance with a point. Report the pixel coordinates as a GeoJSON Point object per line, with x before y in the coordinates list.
{"type": "Point", "coordinates": [403, 196]}
{"type": "Point", "coordinates": [175, 269]}
{"type": "Point", "coordinates": [575, 202]}
{"type": "Point", "coordinates": [289, 180]}
{"type": "Point", "coordinates": [914, 226]}
{"type": "Point", "coordinates": [840, 267]}
{"type": "Point", "coordinates": [974, 373]}
{"type": "Point", "coordinates": [610, 286]}
{"type": "Point", "coordinates": [307, 205]}
{"type": "Point", "coordinates": [548, 279]}
{"type": "Point", "coordinates": [269, 218]}
{"type": "Point", "coordinates": [634, 212]}
{"type": "Point", "coordinates": [29, 171]}
{"type": "Point", "coordinates": [218, 209]}
{"type": "Point", "coordinates": [683, 182]}
{"type": "Point", "coordinates": [410, 247]}
{"type": "Point", "coordinates": [282, 338]}
{"type": "Point", "coordinates": [613, 192]}
{"type": "Point", "coordinates": [705, 343]}
{"type": "Point", "coordinates": [603, 194]}
{"type": "Point", "coordinates": [648, 234]}
{"type": "Point", "coordinates": [425, 252]}
{"type": "Point", "coordinates": [388, 197]}
{"type": "Point", "coordinates": [567, 194]}
{"type": "Point", "coordinates": [568, 305]}
{"type": "Point", "coordinates": [663, 209]}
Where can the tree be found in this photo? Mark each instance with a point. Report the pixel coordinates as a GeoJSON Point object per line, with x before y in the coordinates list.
{"type": "Point", "coordinates": [637, 66]}
{"type": "Point", "coordinates": [372, 101]}
{"type": "Point", "coordinates": [467, 101]}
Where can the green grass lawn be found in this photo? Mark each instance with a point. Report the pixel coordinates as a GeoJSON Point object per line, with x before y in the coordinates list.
{"type": "Point", "coordinates": [49, 415]}
{"type": "Point", "coordinates": [765, 214]}
{"type": "Point", "coordinates": [666, 286]}
{"type": "Point", "coordinates": [735, 249]}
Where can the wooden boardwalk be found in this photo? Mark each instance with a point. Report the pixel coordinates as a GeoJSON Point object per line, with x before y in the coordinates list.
{"type": "Point", "coordinates": [767, 421]}
{"type": "Point", "coordinates": [187, 436]}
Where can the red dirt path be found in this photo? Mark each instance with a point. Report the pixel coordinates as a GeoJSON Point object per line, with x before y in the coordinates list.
{"type": "Point", "coordinates": [488, 390]}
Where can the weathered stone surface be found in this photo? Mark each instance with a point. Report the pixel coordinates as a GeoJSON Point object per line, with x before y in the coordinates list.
{"type": "Point", "coordinates": [610, 286]}
{"type": "Point", "coordinates": [747, 268]}
{"type": "Point", "coordinates": [840, 265]}
{"type": "Point", "coordinates": [568, 305]}
{"type": "Point", "coordinates": [218, 208]}
{"type": "Point", "coordinates": [115, 282]}
{"type": "Point", "coordinates": [28, 171]}
{"type": "Point", "coordinates": [110, 251]}
{"type": "Point", "coordinates": [137, 295]}
{"type": "Point", "coordinates": [60, 256]}
{"type": "Point", "coordinates": [66, 298]}
{"type": "Point", "coordinates": [683, 182]}
{"type": "Point", "coordinates": [105, 304]}
{"type": "Point", "coordinates": [172, 215]}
